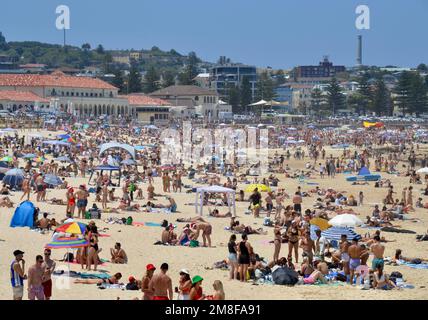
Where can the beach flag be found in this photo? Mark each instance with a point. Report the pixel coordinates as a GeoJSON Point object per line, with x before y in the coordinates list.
{"type": "Point", "coordinates": [368, 124]}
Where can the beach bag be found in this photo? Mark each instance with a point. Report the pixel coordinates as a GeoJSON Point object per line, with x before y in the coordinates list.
{"type": "Point", "coordinates": [87, 215]}
{"type": "Point", "coordinates": [285, 276]}
{"type": "Point", "coordinates": [69, 257]}
{"type": "Point", "coordinates": [416, 261]}
{"type": "Point", "coordinates": [341, 277]}
{"type": "Point", "coordinates": [129, 221]}
{"type": "Point", "coordinates": [194, 243]}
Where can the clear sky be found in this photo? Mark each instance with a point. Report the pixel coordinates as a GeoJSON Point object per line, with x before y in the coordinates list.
{"type": "Point", "coordinates": [276, 33]}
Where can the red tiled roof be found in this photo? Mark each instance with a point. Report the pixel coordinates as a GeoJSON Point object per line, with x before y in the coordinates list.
{"type": "Point", "coordinates": [52, 80]}
{"type": "Point", "coordinates": [23, 96]}
{"type": "Point", "coordinates": [143, 100]}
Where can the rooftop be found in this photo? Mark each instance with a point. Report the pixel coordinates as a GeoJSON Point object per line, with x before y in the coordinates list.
{"type": "Point", "coordinates": [21, 96]}
{"type": "Point", "coordinates": [52, 80]}
{"type": "Point", "coordinates": [143, 100]}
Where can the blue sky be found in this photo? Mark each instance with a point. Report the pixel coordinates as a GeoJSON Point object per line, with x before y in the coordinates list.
{"type": "Point", "coordinates": [276, 33]}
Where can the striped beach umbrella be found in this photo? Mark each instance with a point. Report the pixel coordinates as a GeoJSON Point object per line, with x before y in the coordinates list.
{"type": "Point", "coordinates": [72, 227]}
{"type": "Point", "coordinates": [67, 243]}
{"type": "Point", "coordinates": [335, 233]}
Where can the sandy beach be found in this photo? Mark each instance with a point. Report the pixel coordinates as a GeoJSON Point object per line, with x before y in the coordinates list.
{"type": "Point", "coordinates": [138, 243]}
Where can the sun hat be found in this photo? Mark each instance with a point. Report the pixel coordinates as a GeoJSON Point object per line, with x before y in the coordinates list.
{"type": "Point", "coordinates": [185, 271]}
{"type": "Point", "coordinates": [196, 279]}
{"type": "Point", "coordinates": [150, 267]}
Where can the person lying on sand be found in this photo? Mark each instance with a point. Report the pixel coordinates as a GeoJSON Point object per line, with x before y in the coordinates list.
{"type": "Point", "coordinates": [194, 219]}
{"type": "Point", "coordinates": [398, 256]}
{"type": "Point", "coordinates": [56, 201]}
{"type": "Point", "coordinates": [113, 280]}
{"type": "Point", "coordinates": [241, 228]}
{"type": "Point", "coordinates": [216, 214]}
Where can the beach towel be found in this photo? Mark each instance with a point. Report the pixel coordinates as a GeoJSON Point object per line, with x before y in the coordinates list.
{"type": "Point", "coordinates": [111, 286]}
{"type": "Point", "coordinates": [391, 229]}
{"type": "Point", "coordinates": [413, 265]}
{"type": "Point", "coordinates": [160, 210]}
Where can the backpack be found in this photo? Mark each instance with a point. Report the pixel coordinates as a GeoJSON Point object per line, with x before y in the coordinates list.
{"type": "Point", "coordinates": [129, 221]}
{"type": "Point", "coordinates": [194, 243]}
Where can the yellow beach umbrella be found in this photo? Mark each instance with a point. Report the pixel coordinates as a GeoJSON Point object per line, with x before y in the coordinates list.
{"type": "Point", "coordinates": [260, 187]}
{"type": "Point", "coordinates": [321, 223]}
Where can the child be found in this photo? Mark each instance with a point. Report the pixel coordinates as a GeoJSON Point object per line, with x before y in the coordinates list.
{"type": "Point", "coordinates": [361, 198]}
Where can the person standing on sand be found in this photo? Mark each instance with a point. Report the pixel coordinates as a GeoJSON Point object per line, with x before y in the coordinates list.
{"type": "Point", "coordinates": [277, 241]}
{"type": "Point", "coordinates": [147, 293]}
{"type": "Point", "coordinates": [17, 275]}
{"type": "Point", "coordinates": [104, 192]}
{"type": "Point", "coordinates": [344, 255]}
{"type": "Point", "coordinates": [354, 252]}
{"type": "Point", "coordinates": [161, 285]}
{"type": "Point", "coordinates": [82, 201]}
{"type": "Point", "coordinates": [26, 188]}
{"type": "Point", "coordinates": [36, 276]}
{"type": "Point", "coordinates": [378, 250]}
{"type": "Point", "coordinates": [150, 191]}
{"type": "Point", "coordinates": [409, 202]}
{"type": "Point", "coordinates": [49, 267]}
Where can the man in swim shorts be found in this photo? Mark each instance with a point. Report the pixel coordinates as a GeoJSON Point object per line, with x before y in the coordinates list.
{"type": "Point", "coordinates": [161, 284]}
{"type": "Point", "coordinates": [344, 255]}
{"type": "Point", "coordinates": [378, 250]}
{"type": "Point", "coordinates": [82, 201]}
{"type": "Point", "coordinates": [354, 252]}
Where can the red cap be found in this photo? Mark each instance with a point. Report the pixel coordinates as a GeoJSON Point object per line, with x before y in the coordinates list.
{"type": "Point", "coordinates": [150, 267]}
{"type": "Point", "coordinates": [131, 279]}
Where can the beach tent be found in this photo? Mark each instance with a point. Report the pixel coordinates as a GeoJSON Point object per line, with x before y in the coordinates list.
{"type": "Point", "coordinates": [23, 216]}
{"type": "Point", "coordinates": [115, 145]}
{"type": "Point", "coordinates": [364, 171]}
{"type": "Point", "coordinates": [200, 192]}
{"type": "Point", "coordinates": [106, 168]}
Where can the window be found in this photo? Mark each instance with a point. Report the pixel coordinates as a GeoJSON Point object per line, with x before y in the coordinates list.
{"type": "Point", "coordinates": [196, 98]}
{"type": "Point", "coordinates": [77, 94]}
{"type": "Point", "coordinates": [72, 94]}
{"type": "Point", "coordinates": [87, 94]}
{"type": "Point", "coordinates": [67, 94]}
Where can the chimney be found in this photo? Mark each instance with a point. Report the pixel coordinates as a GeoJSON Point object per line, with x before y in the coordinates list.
{"type": "Point", "coordinates": [360, 51]}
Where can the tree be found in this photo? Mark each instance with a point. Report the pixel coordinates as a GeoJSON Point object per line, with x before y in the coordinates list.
{"type": "Point", "coordinates": [134, 79]}
{"type": "Point", "coordinates": [187, 76]}
{"type": "Point", "coordinates": [119, 81]}
{"type": "Point", "coordinates": [317, 101]}
{"type": "Point", "coordinates": [335, 96]}
{"type": "Point", "coordinates": [365, 94]}
{"type": "Point", "coordinates": [355, 102]}
{"type": "Point", "coordinates": [246, 95]}
{"type": "Point", "coordinates": [233, 95]}
{"type": "Point", "coordinates": [3, 43]}
{"type": "Point", "coordinates": [402, 91]}
{"type": "Point", "coordinates": [168, 79]}
{"type": "Point", "coordinates": [86, 47]}
{"type": "Point", "coordinates": [381, 98]}
{"type": "Point", "coordinates": [265, 87]}
{"type": "Point", "coordinates": [151, 80]}
{"type": "Point", "coordinates": [411, 93]}
{"type": "Point", "coordinates": [421, 68]}
{"type": "Point", "coordinates": [108, 59]}
{"type": "Point", "coordinates": [100, 49]}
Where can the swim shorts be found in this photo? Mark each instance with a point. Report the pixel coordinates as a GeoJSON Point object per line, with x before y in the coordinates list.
{"type": "Point", "coordinates": [82, 203]}
{"type": "Point", "coordinates": [377, 262]}
{"type": "Point", "coordinates": [47, 288]}
{"type": "Point", "coordinates": [160, 298]}
{"type": "Point", "coordinates": [354, 263]}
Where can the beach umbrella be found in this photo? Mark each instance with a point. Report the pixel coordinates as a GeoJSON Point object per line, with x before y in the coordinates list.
{"type": "Point", "coordinates": [7, 159]}
{"type": "Point", "coordinates": [346, 220]}
{"type": "Point", "coordinates": [29, 156]}
{"type": "Point", "coordinates": [139, 148]}
{"type": "Point", "coordinates": [423, 170]}
{"type": "Point", "coordinates": [321, 223]}
{"type": "Point", "coordinates": [14, 177]}
{"type": "Point", "coordinates": [52, 180]}
{"type": "Point", "coordinates": [335, 233]}
{"type": "Point", "coordinates": [64, 136]}
{"type": "Point", "coordinates": [40, 159]}
{"type": "Point", "coordinates": [67, 243]}
{"type": "Point", "coordinates": [72, 228]}
{"type": "Point", "coordinates": [260, 187]}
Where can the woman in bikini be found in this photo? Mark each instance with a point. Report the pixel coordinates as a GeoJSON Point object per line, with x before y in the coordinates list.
{"type": "Point", "coordinates": [71, 201]}
{"type": "Point", "coordinates": [147, 293]}
{"type": "Point", "coordinates": [277, 241]}
{"type": "Point", "coordinates": [113, 280]}
{"type": "Point", "coordinates": [244, 252]}
{"type": "Point", "coordinates": [196, 290]}
{"type": "Point", "coordinates": [293, 241]}
{"type": "Point", "coordinates": [93, 249]}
